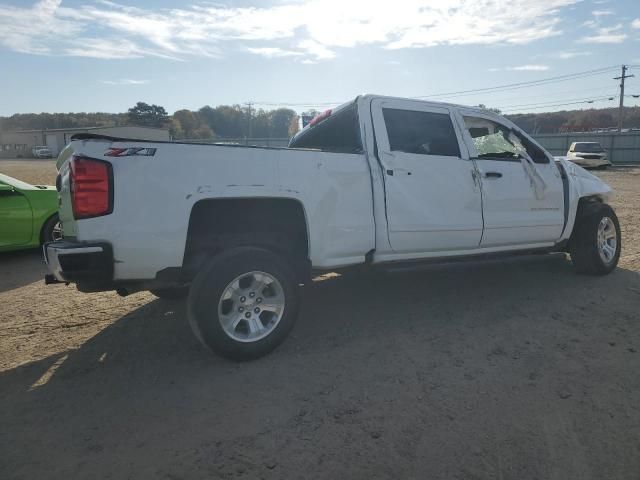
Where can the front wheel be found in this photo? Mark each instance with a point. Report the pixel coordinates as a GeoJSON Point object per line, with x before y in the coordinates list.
{"type": "Point", "coordinates": [243, 303]}
{"type": "Point", "coordinates": [595, 242]}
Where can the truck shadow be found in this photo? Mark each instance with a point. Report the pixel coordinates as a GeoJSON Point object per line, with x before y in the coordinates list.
{"type": "Point", "coordinates": [145, 376]}
{"type": "Point", "coordinates": [20, 268]}
{"type": "Point", "coordinates": [155, 340]}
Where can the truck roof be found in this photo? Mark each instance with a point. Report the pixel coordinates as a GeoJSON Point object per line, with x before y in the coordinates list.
{"type": "Point", "coordinates": [367, 97]}
{"type": "Point", "coordinates": [372, 96]}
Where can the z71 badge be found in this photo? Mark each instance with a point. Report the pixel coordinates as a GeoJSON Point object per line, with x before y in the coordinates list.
{"type": "Point", "coordinates": [130, 151]}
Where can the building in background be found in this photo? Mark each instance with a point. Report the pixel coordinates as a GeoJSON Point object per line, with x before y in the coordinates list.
{"type": "Point", "coordinates": [19, 144]}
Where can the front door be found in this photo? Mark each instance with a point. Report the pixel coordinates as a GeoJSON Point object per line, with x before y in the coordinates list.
{"type": "Point", "coordinates": [522, 191]}
{"type": "Point", "coordinates": [16, 220]}
{"type": "Point", "coordinates": [433, 197]}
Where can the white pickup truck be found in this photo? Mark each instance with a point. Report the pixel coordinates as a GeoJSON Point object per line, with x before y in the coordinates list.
{"type": "Point", "coordinates": [377, 181]}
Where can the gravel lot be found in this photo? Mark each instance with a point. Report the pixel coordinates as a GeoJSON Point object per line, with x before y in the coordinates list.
{"type": "Point", "coordinates": [510, 370]}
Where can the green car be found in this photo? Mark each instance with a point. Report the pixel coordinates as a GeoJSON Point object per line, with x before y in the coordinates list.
{"type": "Point", "coordinates": [28, 214]}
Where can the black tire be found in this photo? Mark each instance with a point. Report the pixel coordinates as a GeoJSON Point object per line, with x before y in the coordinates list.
{"type": "Point", "coordinates": [171, 293]}
{"type": "Point", "coordinates": [211, 282]}
{"type": "Point", "coordinates": [47, 233]}
{"type": "Point", "coordinates": [585, 252]}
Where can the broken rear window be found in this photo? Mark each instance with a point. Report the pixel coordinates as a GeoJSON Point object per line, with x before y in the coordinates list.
{"type": "Point", "coordinates": [339, 132]}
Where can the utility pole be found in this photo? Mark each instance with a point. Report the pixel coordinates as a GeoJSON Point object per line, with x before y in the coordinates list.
{"type": "Point", "coordinates": [249, 105]}
{"type": "Point", "coordinates": [621, 108]}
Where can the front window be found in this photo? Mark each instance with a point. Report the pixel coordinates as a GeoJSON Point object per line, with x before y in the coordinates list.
{"type": "Point", "coordinates": [496, 141]}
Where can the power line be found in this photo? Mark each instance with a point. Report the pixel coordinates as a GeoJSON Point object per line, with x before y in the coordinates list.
{"type": "Point", "coordinates": [562, 104]}
{"type": "Point", "coordinates": [550, 94]}
{"type": "Point", "coordinates": [514, 86]}
{"type": "Point", "coordinates": [461, 93]}
{"type": "Point", "coordinates": [578, 100]}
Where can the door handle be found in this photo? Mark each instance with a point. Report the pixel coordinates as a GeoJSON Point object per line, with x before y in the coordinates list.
{"type": "Point", "coordinates": [492, 175]}
{"type": "Point", "coordinates": [391, 171]}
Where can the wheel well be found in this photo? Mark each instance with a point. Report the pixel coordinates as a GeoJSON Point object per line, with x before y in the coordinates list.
{"type": "Point", "coordinates": [587, 204]}
{"type": "Point", "coordinates": [44, 224]}
{"type": "Point", "coordinates": [276, 224]}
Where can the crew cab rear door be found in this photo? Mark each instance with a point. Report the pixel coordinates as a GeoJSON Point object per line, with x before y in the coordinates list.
{"type": "Point", "coordinates": [522, 191]}
{"type": "Point", "coordinates": [433, 198]}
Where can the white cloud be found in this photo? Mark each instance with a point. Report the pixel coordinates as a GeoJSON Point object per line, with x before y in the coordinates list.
{"type": "Point", "coordinates": [316, 49]}
{"type": "Point", "coordinates": [529, 68]}
{"type": "Point", "coordinates": [125, 81]}
{"type": "Point", "coordinates": [612, 34]}
{"type": "Point", "coordinates": [273, 52]}
{"type": "Point", "coordinates": [601, 13]}
{"type": "Point", "coordinates": [522, 68]}
{"type": "Point", "coordinates": [636, 23]}
{"type": "Point", "coordinates": [311, 30]}
{"type": "Point", "coordinates": [569, 54]}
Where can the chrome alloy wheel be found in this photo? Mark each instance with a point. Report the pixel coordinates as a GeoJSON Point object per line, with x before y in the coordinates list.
{"type": "Point", "coordinates": [607, 240]}
{"type": "Point", "coordinates": [56, 233]}
{"type": "Point", "coordinates": [251, 306]}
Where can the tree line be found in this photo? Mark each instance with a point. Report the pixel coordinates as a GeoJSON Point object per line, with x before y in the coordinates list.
{"type": "Point", "coordinates": [224, 121]}
{"type": "Point", "coordinates": [576, 120]}
{"type": "Point", "coordinates": [239, 121]}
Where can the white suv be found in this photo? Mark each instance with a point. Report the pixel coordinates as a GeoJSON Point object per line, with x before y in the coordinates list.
{"type": "Point", "coordinates": [588, 154]}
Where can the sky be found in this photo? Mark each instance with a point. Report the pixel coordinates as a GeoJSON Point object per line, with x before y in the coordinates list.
{"type": "Point", "coordinates": [98, 55]}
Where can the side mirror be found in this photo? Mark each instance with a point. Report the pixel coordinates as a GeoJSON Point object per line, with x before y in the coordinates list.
{"type": "Point", "coordinates": [8, 190]}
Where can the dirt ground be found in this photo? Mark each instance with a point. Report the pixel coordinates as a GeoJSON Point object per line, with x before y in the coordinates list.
{"type": "Point", "coordinates": [497, 370]}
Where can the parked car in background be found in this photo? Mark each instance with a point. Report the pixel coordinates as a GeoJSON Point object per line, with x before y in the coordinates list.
{"type": "Point", "coordinates": [379, 181]}
{"type": "Point", "coordinates": [28, 214]}
{"type": "Point", "coordinates": [42, 152]}
{"type": "Point", "coordinates": [588, 154]}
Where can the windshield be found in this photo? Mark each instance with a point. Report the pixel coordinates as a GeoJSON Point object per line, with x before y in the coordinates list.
{"type": "Point", "coordinates": [14, 182]}
{"type": "Point", "coordinates": [588, 147]}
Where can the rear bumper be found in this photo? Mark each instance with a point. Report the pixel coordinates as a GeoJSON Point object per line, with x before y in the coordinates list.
{"type": "Point", "coordinates": [78, 262]}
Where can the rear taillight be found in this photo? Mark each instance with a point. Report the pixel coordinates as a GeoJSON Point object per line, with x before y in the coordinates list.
{"type": "Point", "coordinates": [91, 187]}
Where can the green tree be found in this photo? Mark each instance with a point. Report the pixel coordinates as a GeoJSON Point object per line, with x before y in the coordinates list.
{"type": "Point", "coordinates": [147, 115]}
{"type": "Point", "coordinates": [491, 109]}
{"type": "Point", "coordinates": [294, 126]}
{"type": "Point", "coordinates": [280, 121]}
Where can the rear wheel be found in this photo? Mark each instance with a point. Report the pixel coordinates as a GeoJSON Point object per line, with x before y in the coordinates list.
{"type": "Point", "coordinates": [243, 303]}
{"type": "Point", "coordinates": [595, 242]}
{"type": "Point", "coordinates": [51, 230]}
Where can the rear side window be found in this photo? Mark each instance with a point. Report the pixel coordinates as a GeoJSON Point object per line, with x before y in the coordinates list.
{"type": "Point", "coordinates": [340, 132]}
{"type": "Point", "coordinates": [423, 133]}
